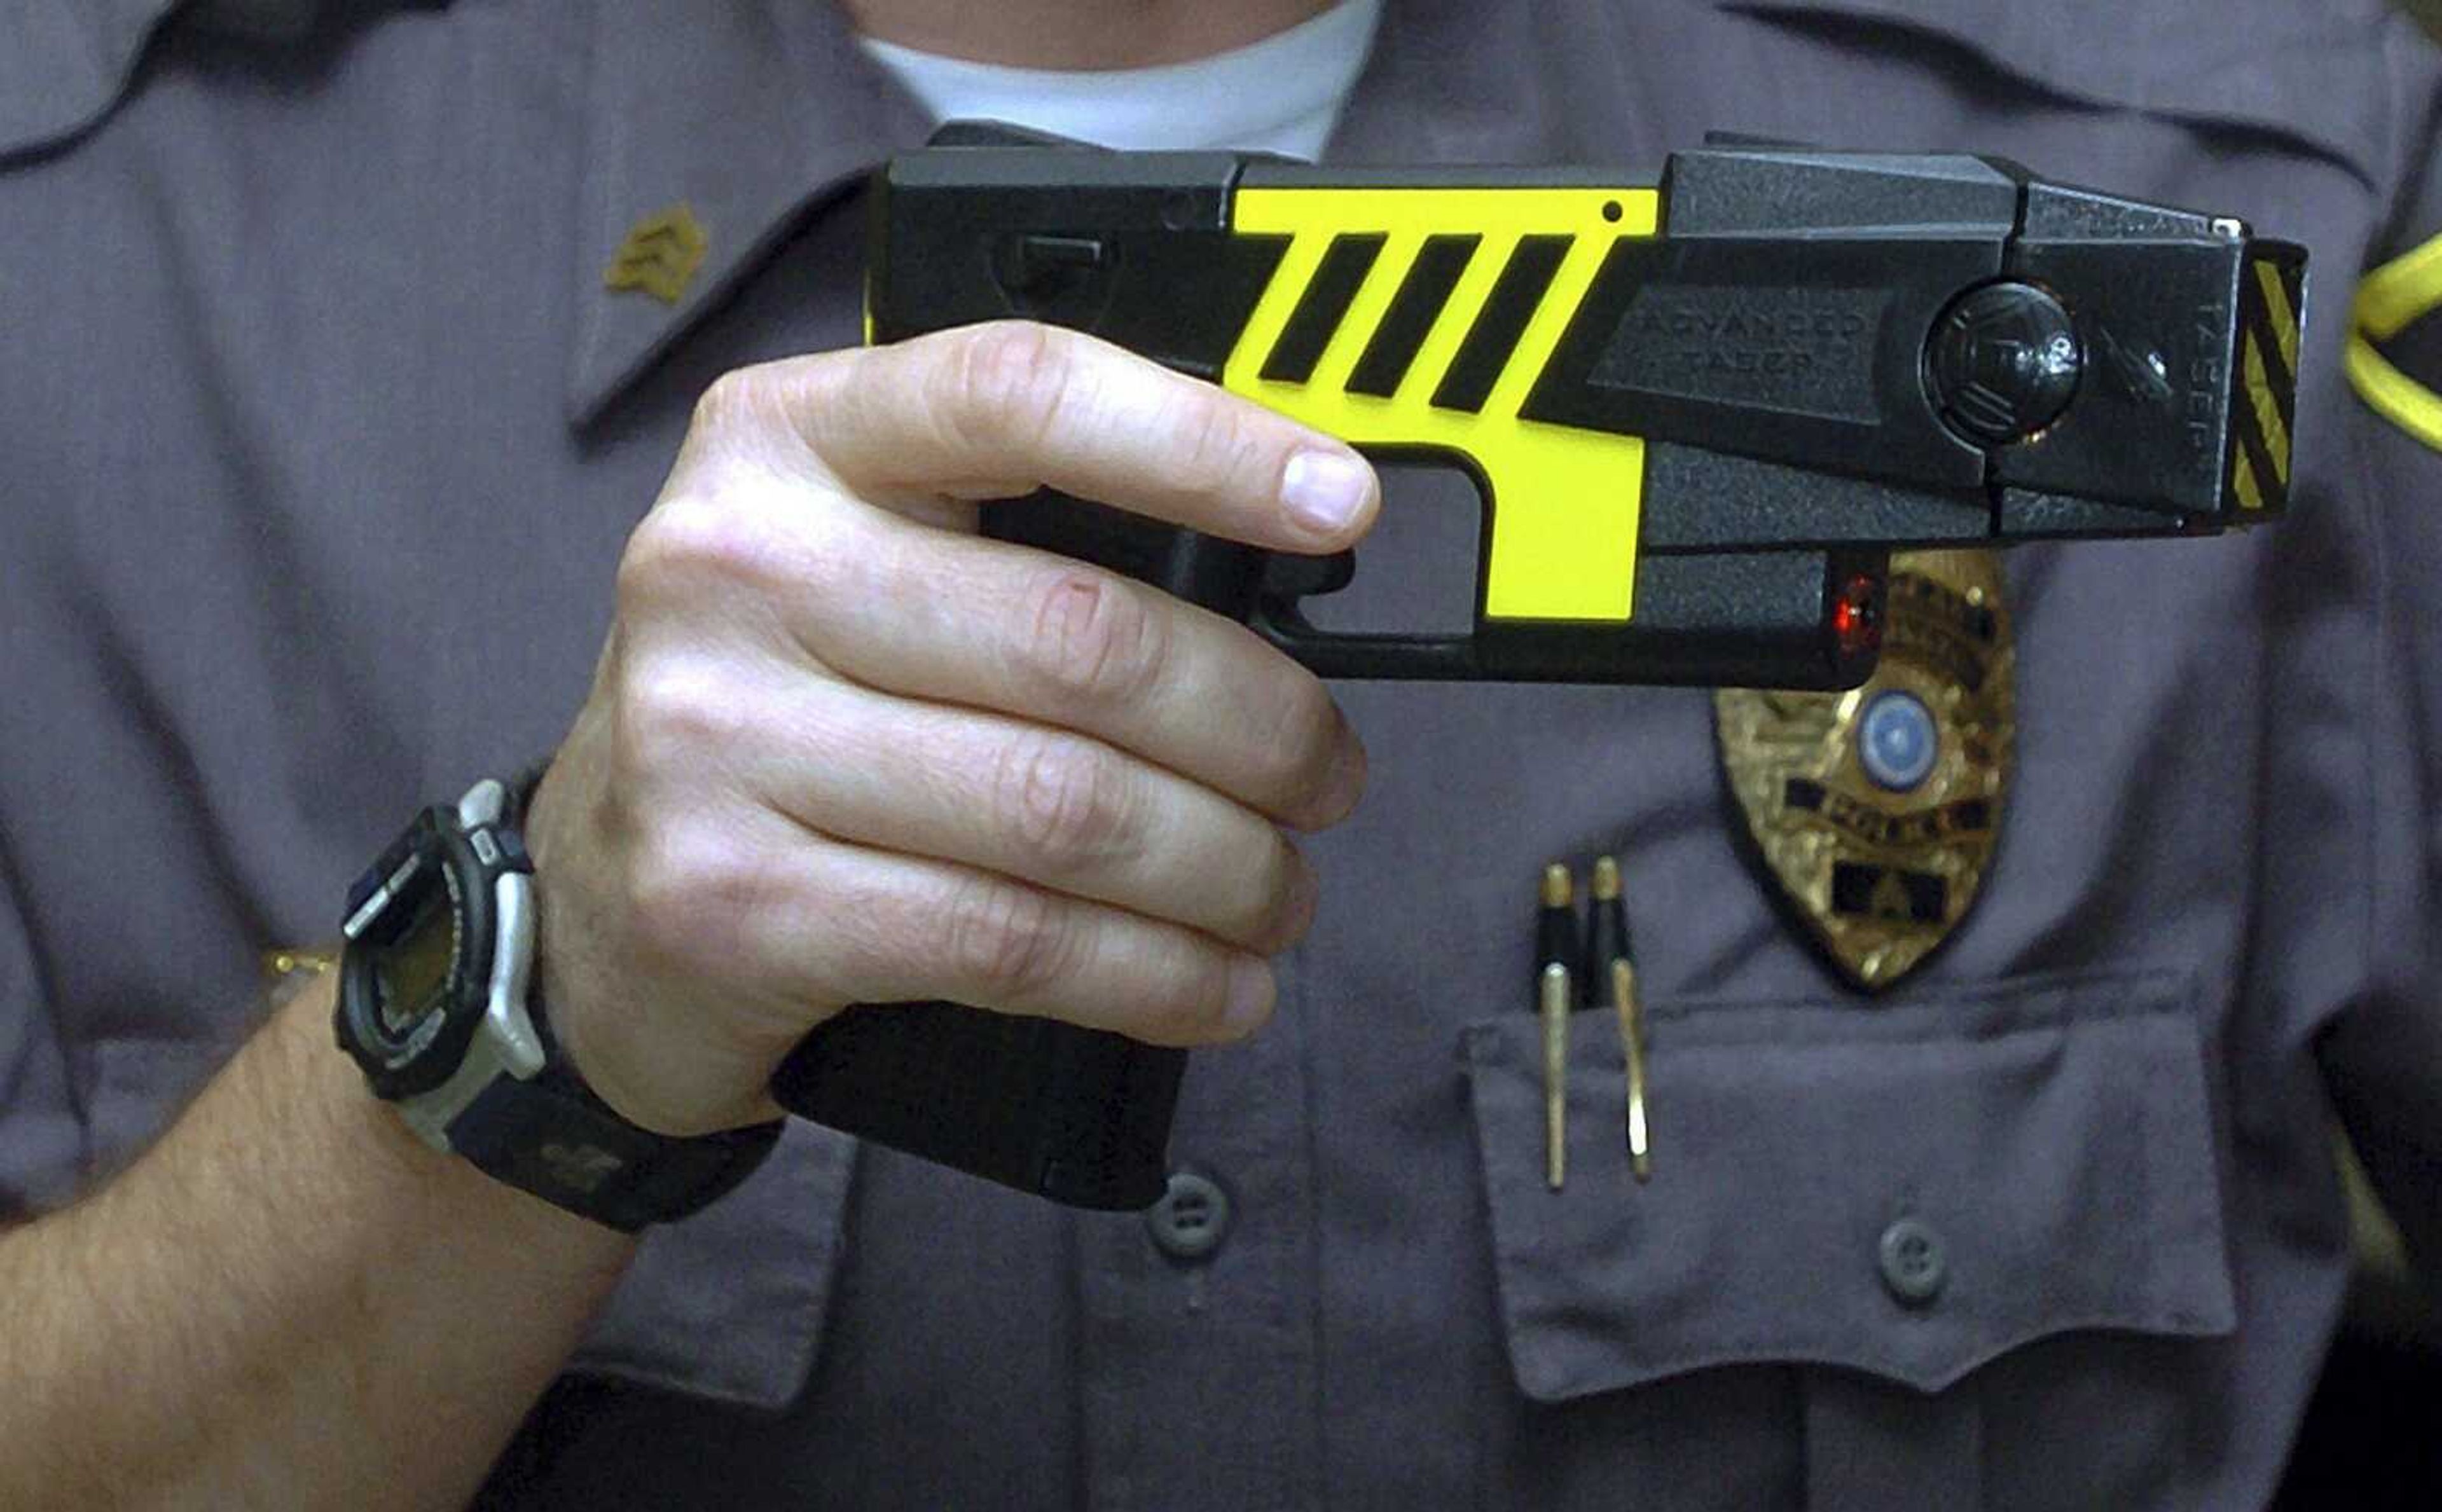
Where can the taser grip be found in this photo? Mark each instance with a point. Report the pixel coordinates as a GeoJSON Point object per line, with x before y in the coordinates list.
{"type": "Point", "coordinates": [1079, 1116]}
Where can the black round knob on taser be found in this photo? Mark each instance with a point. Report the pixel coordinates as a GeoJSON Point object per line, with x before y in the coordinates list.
{"type": "Point", "coordinates": [2003, 363]}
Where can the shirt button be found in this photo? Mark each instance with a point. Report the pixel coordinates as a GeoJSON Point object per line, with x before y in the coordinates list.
{"type": "Point", "coordinates": [1191, 1218]}
{"type": "Point", "coordinates": [1914, 1266]}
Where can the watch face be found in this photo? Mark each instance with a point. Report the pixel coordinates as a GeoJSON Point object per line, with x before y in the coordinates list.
{"type": "Point", "coordinates": [414, 980]}
{"type": "Point", "coordinates": [412, 973]}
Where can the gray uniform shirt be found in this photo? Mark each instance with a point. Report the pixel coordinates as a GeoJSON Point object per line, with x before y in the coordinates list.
{"type": "Point", "coordinates": [320, 435]}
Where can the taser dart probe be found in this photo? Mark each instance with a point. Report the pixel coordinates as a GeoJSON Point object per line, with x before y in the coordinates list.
{"type": "Point", "coordinates": [1556, 997]}
{"type": "Point", "coordinates": [1610, 977]}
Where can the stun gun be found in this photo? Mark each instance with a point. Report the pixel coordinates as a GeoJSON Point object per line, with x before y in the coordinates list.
{"type": "Point", "coordinates": [1699, 414]}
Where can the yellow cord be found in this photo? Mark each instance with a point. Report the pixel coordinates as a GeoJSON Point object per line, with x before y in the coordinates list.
{"type": "Point", "coordinates": [2394, 394]}
{"type": "Point", "coordinates": [2388, 300]}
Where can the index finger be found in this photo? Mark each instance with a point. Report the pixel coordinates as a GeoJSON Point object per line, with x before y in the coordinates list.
{"type": "Point", "coordinates": [1002, 408]}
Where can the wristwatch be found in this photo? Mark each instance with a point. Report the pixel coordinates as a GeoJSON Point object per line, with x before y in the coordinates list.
{"type": "Point", "coordinates": [435, 1006]}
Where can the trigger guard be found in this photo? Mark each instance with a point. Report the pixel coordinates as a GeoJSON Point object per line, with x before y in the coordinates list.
{"type": "Point", "coordinates": [1290, 577]}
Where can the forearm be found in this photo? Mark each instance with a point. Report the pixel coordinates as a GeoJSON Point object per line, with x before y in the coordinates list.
{"type": "Point", "coordinates": [289, 1302]}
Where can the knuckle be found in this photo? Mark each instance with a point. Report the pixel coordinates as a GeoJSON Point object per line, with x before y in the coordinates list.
{"type": "Point", "coordinates": [767, 411]}
{"type": "Point", "coordinates": [1010, 940]}
{"type": "Point", "coordinates": [693, 543]}
{"type": "Point", "coordinates": [1301, 746]}
{"type": "Point", "coordinates": [1199, 1013]}
{"type": "Point", "coordinates": [1005, 384]}
{"type": "Point", "coordinates": [724, 400]}
{"type": "Point", "coordinates": [1092, 641]}
{"type": "Point", "coordinates": [1064, 800]}
{"type": "Point", "coordinates": [673, 717]}
{"type": "Point", "coordinates": [1281, 905]}
{"type": "Point", "coordinates": [652, 562]}
{"type": "Point", "coordinates": [741, 400]}
{"type": "Point", "coordinates": [688, 890]}
{"type": "Point", "coordinates": [1213, 440]}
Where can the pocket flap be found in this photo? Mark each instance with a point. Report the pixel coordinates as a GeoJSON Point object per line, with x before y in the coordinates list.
{"type": "Point", "coordinates": [1907, 1190]}
{"type": "Point", "coordinates": [731, 1304]}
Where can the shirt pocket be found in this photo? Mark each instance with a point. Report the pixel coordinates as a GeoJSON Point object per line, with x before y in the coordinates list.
{"type": "Point", "coordinates": [1908, 1191]}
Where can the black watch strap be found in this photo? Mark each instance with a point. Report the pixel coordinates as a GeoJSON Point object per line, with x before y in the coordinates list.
{"type": "Point", "coordinates": [554, 1137]}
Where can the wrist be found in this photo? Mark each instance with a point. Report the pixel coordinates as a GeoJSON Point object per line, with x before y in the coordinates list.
{"type": "Point", "coordinates": [435, 1004]}
{"type": "Point", "coordinates": [563, 977]}
{"type": "Point", "coordinates": [613, 1029]}
{"type": "Point", "coordinates": [446, 1196]}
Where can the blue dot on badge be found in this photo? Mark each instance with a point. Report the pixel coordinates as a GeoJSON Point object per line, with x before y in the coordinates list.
{"type": "Point", "coordinates": [1898, 741]}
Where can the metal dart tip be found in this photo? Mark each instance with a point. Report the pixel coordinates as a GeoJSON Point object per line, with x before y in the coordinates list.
{"type": "Point", "coordinates": [1631, 1009]}
{"type": "Point", "coordinates": [1555, 998]}
{"type": "Point", "coordinates": [1605, 879]}
{"type": "Point", "coordinates": [1558, 889]}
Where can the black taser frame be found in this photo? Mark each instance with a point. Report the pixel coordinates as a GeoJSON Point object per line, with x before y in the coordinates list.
{"type": "Point", "coordinates": [1760, 512]}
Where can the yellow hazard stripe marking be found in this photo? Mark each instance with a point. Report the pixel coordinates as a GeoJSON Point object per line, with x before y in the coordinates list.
{"type": "Point", "coordinates": [1564, 501]}
{"type": "Point", "coordinates": [2284, 315]}
{"type": "Point", "coordinates": [2267, 411]}
{"type": "Point", "coordinates": [1458, 316]}
{"type": "Point", "coordinates": [2388, 300]}
{"type": "Point", "coordinates": [2251, 496]}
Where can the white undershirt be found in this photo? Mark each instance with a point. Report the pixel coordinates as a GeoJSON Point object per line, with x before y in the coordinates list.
{"type": "Point", "coordinates": [1280, 95]}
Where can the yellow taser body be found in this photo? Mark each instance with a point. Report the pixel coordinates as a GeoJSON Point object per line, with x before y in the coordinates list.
{"type": "Point", "coordinates": [1478, 279]}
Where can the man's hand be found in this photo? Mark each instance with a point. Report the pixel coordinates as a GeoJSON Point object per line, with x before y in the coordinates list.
{"type": "Point", "coordinates": [841, 749]}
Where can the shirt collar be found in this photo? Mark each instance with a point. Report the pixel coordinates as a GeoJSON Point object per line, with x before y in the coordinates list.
{"type": "Point", "coordinates": [749, 114]}
{"type": "Point", "coordinates": [753, 114]}
{"type": "Point", "coordinates": [69, 61]}
{"type": "Point", "coordinates": [66, 63]}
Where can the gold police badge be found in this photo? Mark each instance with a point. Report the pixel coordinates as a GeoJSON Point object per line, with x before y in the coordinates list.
{"type": "Point", "coordinates": [1875, 811]}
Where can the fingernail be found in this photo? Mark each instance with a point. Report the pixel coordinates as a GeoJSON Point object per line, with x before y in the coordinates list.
{"type": "Point", "coordinates": [1251, 995]}
{"type": "Point", "coordinates": [1325, 490]}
